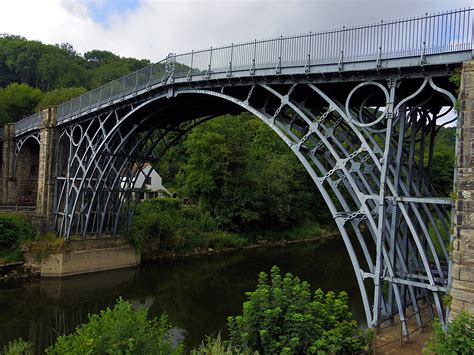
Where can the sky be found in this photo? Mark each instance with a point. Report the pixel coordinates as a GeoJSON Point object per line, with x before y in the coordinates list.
{"type": "Point", "coordinates": [153, 28]}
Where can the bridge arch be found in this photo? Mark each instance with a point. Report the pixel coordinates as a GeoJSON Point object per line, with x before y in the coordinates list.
{"type": "Point", "coordinates": [26, 169]}
{"type": "Point", "coordinates": [341, 140]}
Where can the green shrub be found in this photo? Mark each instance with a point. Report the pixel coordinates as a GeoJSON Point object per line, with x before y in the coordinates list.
{"type": "Point", "coordinates": [283, 316]}
{"type": "Point", "coordinates": [179, 227]}
{"type": "Point", "coordinates": [18, 347]}
{"type": "Point", "coordinates": [120, 330]}
{"type": "Point", "coordinates": [14, 230]}
{"type": "Point", "coordinates": [214, 346]}
{"type": "Point", "coordinates": [458, 340]}
{"type": "Point", "coordinates": [221, 240]}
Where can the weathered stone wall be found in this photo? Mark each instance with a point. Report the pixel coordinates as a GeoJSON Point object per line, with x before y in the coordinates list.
{"type": "Point", "coordinates": [463, 249]}
{"type": "Point", "coordinates": [82, 256]}
{"type": "Point", "coordinates": [8, 182]}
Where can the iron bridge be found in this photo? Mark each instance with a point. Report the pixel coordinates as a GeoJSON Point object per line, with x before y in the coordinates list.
{"type": "Point", "coordinates": [360, 107]}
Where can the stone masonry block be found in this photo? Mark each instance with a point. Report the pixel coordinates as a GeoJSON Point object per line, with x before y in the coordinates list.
{"type": "Point", "coordinates": [468, 66]}
{"type": "Point", "coordinates": [462, 289]}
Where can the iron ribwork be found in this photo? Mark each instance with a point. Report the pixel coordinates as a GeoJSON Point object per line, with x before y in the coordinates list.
{"type": "Point", "coordinates": [20, 143]}
{"type": "Point", "coordinates": [359, 107]}
{"type": "Point", "coordinates": [365, 155]}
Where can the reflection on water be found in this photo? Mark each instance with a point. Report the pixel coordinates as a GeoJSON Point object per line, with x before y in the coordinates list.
{"type": "Point", "coordinates": [198, 294]}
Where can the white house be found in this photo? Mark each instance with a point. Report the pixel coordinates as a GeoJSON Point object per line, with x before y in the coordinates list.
{"type": "Point", "coordinates": [148, 179]}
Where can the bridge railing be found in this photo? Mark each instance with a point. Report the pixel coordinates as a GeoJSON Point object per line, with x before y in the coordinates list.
{"type": "Point", "coordinates": [116, 89]}
{"type": "Point", "coordinates": [418, 36]}
{"type": "Point", "coordinates": [28, 124]}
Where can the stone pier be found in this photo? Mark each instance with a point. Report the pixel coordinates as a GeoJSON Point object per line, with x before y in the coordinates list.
{"type": "Point", "coordinates": [47, 154]}
{"type": "Point", "coordinates": [8, 196]}
{"type": "Point", "coordinates": [462, 291]}
{"type": "Point", "coordinates": [76, 257]}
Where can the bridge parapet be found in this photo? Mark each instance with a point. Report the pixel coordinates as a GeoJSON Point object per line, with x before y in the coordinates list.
{"type": "Point", "coordinates": [417, 41]}
{"type": "Point", "coordinates": [32, 123]}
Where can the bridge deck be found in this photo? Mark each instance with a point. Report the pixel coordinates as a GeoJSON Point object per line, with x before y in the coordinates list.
{"type": "Point", "coordinates": [344, 54]}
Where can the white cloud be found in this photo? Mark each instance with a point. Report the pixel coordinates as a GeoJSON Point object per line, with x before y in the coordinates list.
{"type": "Point", "coordinates": [155, 28]}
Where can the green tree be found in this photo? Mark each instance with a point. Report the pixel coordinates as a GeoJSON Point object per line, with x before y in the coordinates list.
{"type": "Point", "coordinates": [443, 161]}
{"type": "Point", "coordinates": [57, 69]}
{"type": "Point", "coordinates": [96, 57]}
{"type": "Point", "coordinates": [17, 101]}
{"type": "Point", "coordinates": [58, 96]}
{"type": "Point", "coordinates": [119, 330]}
{"type": "Point", "coordinates": [108, 72]}
{"type": "Point", "coordinates": [14, 230]}
{"type": "Point", "coordinates": [459, 340]}
{"type": "Point", "coordinates": [243, 174]}
{"type": "Point", "coordinates": [283, 316]}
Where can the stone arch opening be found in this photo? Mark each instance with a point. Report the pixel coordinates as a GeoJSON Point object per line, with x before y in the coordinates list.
{"type": "Point", "coordinates": [26, 172]}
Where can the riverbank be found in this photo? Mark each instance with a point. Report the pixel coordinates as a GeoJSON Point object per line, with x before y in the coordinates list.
{"type": "Point", "coordinates": [152, 250]}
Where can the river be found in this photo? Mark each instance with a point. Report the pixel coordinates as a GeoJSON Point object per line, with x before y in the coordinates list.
{"type": "Point", "coordinates": [197, 293]}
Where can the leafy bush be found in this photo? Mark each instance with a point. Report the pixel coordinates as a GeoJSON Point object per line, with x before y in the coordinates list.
{"type": "Point", "coordinates": [18, 347]}
{"type": "Point", "coordinates": [221, 240]}
{"type": "Point", "coordinates": [120, 330]}
{"type": "Point", "coordinates": [179, 227]}
{"type": "Point", "coordinates": [214, 346]}
{"type": "Point", "coordinates": [14, 230]}
{"type": "Point", "coordinates": [458, 340]}
{"type": "Point", "coordinates": [283, 316]}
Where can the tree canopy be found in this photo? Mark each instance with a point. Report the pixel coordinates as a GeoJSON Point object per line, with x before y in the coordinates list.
{"type": "Point", "coordinates": [17, 101]}
{"type": "Point", "coordinates": [34, 68]}
{"type": "Point", "coordinates": [237, 169]}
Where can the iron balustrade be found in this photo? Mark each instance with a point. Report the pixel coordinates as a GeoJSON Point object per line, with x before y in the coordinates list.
{"type": "Point", "coordinates": [446, 32]}
{"type": "Point", "coordinates": [29, 124]}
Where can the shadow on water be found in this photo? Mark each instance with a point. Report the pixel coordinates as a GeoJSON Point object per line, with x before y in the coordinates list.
{"type": "Point", "coordinates": [197, 293]}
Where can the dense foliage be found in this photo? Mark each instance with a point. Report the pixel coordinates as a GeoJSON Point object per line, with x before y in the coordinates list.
{"type": "Point", "coordinates": [458, 340]}
{"type": "Point", "coordinates": [178, 227]}
{"type": "Point", "coordinates": [46, 67]}
{"type": "Point", "coordinates": [18, 347]}
{"type": "Point", "coordinates": [283, 316]}
{"type": "Point", "coordinates": [51, 67]}
{"type": "Point", "coordinates": [14, 230]}
{"type": "Point", "coordinates": [215, 346]}
{"type": "Point", "coordinates": [57, 96]}
{"type": "Point", "coordinates": [236, 169]}
{"type": "Point", "coordinates": [119, 330]}
{"type": "Point", "coordinates": [443, 161]}
{"type": "Point", "coordinates": [17, 101]}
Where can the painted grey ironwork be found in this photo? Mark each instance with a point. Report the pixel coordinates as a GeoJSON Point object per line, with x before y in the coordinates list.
{"type": "Point", "coordinates": [359, 107]}
{"type": "Point", "coordinates": [369, 46]}
{"type": "Point", "coordinates": [29, 124]}
{"type": "Point", "coordinates": [363, 163]}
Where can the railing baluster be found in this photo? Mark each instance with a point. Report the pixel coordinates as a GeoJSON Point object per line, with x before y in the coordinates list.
{"type": "Point", "coordinates": [416, 36]}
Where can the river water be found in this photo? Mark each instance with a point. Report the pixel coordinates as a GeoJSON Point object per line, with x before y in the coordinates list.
{"type": "Point", "coordinates": [197, 293]}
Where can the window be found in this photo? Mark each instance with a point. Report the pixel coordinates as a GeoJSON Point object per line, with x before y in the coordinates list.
{"type": "Point", "coordinates": [148, 180]}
